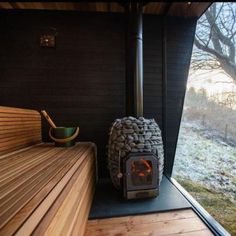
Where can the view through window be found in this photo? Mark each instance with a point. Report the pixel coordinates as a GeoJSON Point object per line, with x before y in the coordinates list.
{"type": "Point", "coordinates": [205, 162]}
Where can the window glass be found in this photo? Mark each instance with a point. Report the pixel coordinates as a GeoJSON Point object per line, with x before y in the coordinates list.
{"type": "Point", "coordinates": [205, 161]}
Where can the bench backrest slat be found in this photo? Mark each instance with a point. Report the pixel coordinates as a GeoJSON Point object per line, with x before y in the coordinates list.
{"type": "Point", "coordinates": [19, 128]}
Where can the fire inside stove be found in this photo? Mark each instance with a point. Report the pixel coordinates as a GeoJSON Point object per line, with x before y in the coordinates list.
{"type": "Point", "coordinates": [140, 175]}
{"type": "Point", "coordinates": [141, 172]}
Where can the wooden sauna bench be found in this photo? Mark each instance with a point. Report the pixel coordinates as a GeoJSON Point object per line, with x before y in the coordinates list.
{"type": "Point", "coordinates": [44, 190]}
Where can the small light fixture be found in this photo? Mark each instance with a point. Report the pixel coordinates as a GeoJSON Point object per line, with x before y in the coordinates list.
{"type": "Point", "coordinates": [189, 3]}
{"type": "Point", "coordinates": [48, 39]}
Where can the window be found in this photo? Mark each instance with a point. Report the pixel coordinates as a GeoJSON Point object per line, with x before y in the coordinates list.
{"type": "Point", "coordinates": [205, 161]}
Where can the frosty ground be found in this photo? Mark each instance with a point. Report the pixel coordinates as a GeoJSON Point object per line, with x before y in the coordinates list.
{"type": "Point", "coordinates": [205, 158]}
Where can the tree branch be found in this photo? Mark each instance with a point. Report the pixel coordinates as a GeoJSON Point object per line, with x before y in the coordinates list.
{"type": "Point", "coordinates": [220, 36]}
{"type": "Point", "coordinates": [224, 60]}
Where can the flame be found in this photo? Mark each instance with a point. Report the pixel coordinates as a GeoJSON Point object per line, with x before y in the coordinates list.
{"type": "Point", "coordinates": [141, 173]}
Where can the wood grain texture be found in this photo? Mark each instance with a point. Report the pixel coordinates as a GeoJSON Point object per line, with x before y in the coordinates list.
{"type": "Point", "coordinates": [47, 190]}
{"type": "Point", "coordinates": [181, 222]}
{"type": "Point", "coordinates": [157, 8]}
{"type": "Point", "coordinates": [18, 128]}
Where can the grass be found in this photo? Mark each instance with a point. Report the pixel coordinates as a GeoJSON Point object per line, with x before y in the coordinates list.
{"type": "Point", "coordinates": [217, 204]}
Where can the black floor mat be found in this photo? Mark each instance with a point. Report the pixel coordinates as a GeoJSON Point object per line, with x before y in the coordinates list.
{"type": "Point", "coordinates": [108, 202]}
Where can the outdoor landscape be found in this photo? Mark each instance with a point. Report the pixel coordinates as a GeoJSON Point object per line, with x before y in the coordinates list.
{"type": "Point", "coordinates": [205, 162]}
{"type": "Point", "coordinates": [206, 156]}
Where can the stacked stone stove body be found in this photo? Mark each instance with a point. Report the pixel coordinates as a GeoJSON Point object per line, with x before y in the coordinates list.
{"type": "Point", "coordinates": [129, 136]}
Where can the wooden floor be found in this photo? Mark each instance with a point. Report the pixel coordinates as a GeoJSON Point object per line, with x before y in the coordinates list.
{"type": "Point", "coordinates": [181, 222]}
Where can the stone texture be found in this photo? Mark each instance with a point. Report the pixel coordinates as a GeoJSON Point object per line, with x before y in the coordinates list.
{"type": "Point", "coordinates": [131, 134]}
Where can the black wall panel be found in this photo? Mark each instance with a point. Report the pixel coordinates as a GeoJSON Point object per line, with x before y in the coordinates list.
{"type": "Point", "coordinates": [82, 81]}
{"type": "Point", "coordinates": [179, 42]}
{"type": "Point", "coordinates": [152, 71]}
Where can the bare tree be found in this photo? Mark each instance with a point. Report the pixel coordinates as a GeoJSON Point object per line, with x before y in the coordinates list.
{"type": "Point", "coordinates": [215, 40]}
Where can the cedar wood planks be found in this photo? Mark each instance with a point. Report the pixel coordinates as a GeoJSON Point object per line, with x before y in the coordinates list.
{"type": "Point", "coordinates": [44, 190]}
{"type": "Point", "coordinates": [51, 196]}
{"type": "Point", "coordinates": [181, 222]}
{"type": "Point", "coordinates": [19, 128]}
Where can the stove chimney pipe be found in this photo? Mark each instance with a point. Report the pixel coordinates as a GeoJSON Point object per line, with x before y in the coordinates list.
{"type": "Point", "coordinates": [134, 60]}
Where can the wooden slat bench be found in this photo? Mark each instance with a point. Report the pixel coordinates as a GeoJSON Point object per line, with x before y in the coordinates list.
{"type": "Point", "coordinates": [44, 190]}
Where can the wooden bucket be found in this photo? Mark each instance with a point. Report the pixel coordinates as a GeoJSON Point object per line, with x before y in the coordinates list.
{"type": "Point", "coordinates": [64, 136]}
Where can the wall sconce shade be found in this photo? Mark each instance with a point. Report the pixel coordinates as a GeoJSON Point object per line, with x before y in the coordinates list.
{"type": "Point", "coordinates": [47, 40]}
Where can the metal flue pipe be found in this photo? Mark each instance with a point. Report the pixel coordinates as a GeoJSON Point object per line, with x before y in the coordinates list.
{"type": "Point", "coordinates": [134, 59]}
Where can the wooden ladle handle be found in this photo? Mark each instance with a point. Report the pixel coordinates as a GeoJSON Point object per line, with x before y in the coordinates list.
{"type": "Point", "coordinates": [48, 118]}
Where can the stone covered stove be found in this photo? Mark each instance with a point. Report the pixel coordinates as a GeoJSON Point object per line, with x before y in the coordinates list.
{"type": "Point", "coordinates": [135, 157]}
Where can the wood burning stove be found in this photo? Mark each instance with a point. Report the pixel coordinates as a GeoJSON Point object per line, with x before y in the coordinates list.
{"type": "Point", "coordinates": [136, 157]}
{"type": "Point", "coordinates": [141, 177]}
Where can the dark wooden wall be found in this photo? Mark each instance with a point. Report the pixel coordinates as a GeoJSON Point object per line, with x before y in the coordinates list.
{"type": "Point", "coordinates": [179, 42]}
{"type": "Point", "coordinates": [152, 71]}
{"type": "Point", "coordinates": [82, 81]}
